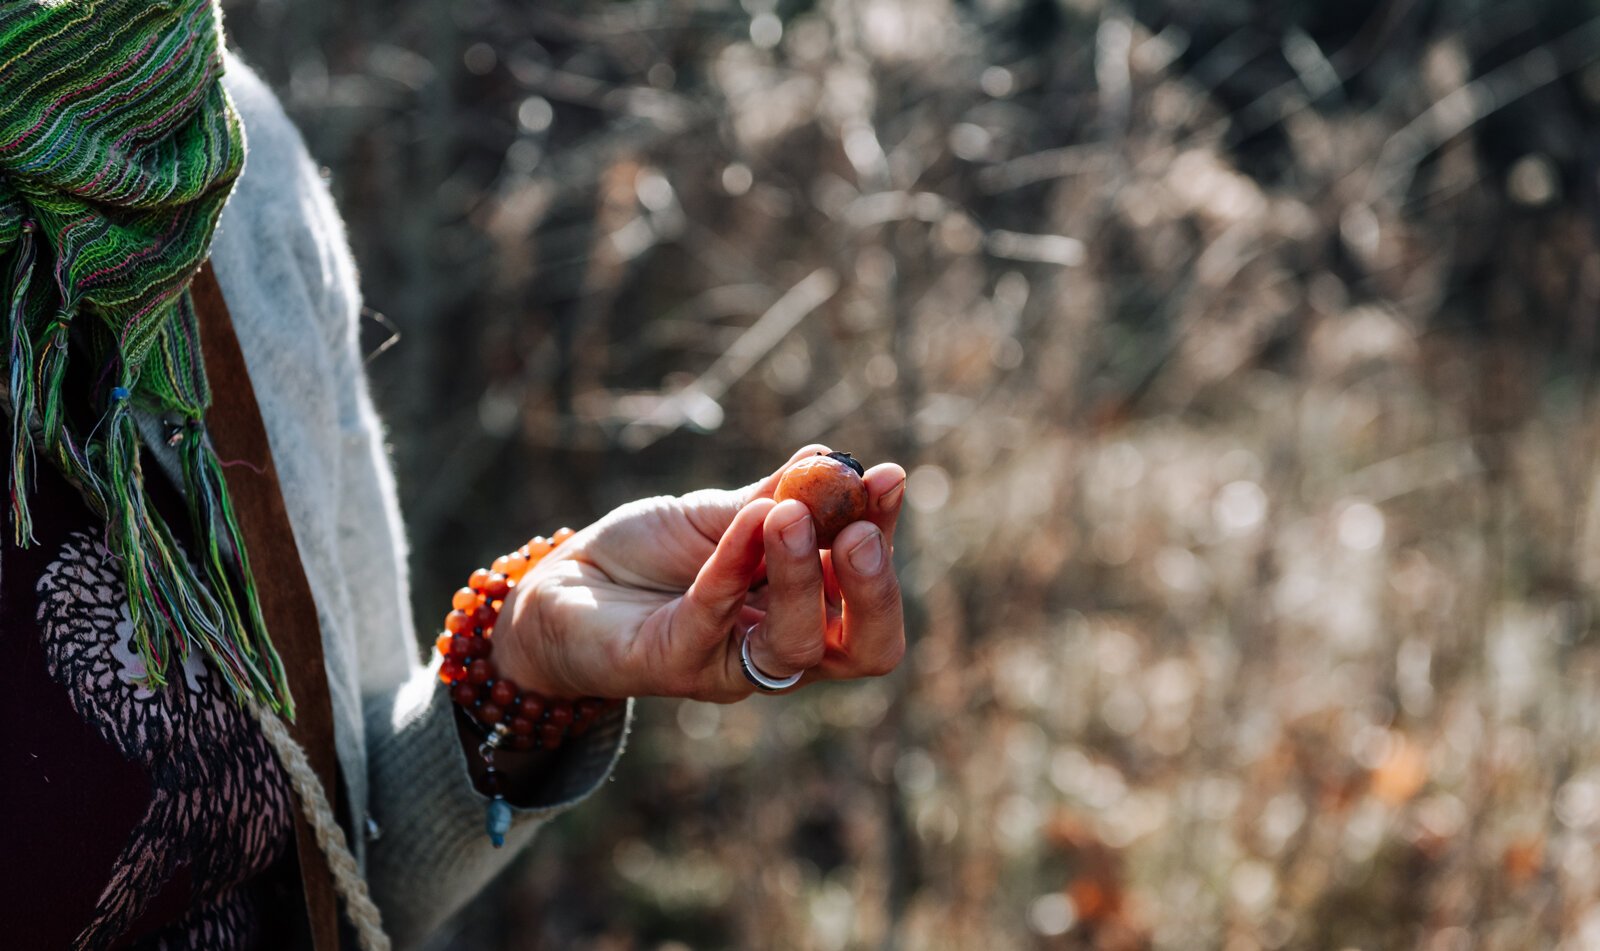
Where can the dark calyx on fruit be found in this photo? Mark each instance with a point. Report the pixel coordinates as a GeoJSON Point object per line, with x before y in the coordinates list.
{"type": "Point", "coordinates": [848, 460]}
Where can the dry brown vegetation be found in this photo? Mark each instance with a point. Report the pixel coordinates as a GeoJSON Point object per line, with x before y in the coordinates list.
{"type": "Point", "coordinates": [1242, 356]}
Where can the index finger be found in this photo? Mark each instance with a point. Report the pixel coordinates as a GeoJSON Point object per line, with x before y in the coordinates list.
{"type": "Point", "coordinates": [707, 610]}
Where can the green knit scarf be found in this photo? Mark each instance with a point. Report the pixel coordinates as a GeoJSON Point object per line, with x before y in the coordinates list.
{"type": "Point", "coordinates": [118, 149]}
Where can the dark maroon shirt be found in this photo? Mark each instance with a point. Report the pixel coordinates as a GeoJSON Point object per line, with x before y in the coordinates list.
{"type": "Point", "coordinates": [131, 816]}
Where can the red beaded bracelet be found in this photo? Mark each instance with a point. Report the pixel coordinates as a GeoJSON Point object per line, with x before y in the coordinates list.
{"type": "Point", "coordinates": [508, 716]}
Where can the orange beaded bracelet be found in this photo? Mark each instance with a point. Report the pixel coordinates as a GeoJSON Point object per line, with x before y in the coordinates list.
{"type": "Point", "coordinates": [507, 716]}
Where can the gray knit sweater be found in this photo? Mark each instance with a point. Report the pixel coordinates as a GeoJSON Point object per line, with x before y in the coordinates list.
{"type": "Point", "coordinates": [284, 265]}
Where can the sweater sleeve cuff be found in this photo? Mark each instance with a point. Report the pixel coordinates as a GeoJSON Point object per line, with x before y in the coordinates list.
{"type": "Point", "coordinates": [574, 771]}
{"type": "Point", "coordinates": [431, 816]}
{"type": "Point", "coordinates": [540, 781]}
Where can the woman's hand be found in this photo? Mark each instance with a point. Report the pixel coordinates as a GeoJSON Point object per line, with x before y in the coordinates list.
{"type": "Point", "coordinates": [654, 598]}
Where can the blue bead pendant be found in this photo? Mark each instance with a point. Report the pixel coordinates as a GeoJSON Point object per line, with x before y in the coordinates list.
{"type": "Point", "coordinates": [497, 820]}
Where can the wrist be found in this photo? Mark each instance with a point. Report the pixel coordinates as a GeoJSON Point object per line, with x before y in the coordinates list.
{"type": "Point", "coordinates": [523, 639]}
{"type": "Point", "coordinates": [509, 718]}
{"type": "Point", "coordinates": [509, 713]}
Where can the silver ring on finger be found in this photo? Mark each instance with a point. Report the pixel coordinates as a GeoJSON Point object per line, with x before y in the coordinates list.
{"type": "Point", "coordinates": [752, 673]}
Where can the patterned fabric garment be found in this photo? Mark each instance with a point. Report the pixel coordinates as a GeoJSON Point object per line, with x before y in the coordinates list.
{"type": "Point", "coordinates": [130, 817]}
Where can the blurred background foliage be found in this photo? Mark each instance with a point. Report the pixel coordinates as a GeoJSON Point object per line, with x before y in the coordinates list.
{"type": "Point", "coordinates": [1242, 355]}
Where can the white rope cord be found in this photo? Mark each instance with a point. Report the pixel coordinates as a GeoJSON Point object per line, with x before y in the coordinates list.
{"type": "Point", "coordinates": [358, 906]}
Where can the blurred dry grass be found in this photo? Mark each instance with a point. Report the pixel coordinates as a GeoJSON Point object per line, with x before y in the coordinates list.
{"type": "Point", "coordinates": [1242, 355]}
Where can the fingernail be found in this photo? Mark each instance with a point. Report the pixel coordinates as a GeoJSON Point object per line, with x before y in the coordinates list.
{"type": "Point", "coordinates": [891, 498]}
{"type": "Point", "coordinates": [867, 556]}
{"type": "Point", "coordinates": [797, 536]}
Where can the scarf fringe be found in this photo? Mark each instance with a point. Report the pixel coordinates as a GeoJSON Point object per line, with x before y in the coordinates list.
{"type": "Point", "coordinates": [169, 603]}
{"type": "Point", "coordinates": [125, 528]}
{"type": "Point", "coordinates": [174, 607]}
{"type": "Point", "coordinates": [215, 526]}
{"type": "Point", "coordinates": [53, 372]}
{"type": "Point", "coordinates": [22, 392]}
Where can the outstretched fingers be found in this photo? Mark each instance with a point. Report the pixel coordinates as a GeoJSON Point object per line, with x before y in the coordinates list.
{"type": "Point", "coordinates": [791, 629]}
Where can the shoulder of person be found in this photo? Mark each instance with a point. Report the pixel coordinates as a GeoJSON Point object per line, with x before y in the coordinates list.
{"type": "Point", "coordinates": [280, 248]}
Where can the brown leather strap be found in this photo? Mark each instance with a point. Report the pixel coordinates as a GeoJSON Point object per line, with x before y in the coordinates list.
{"type": "Point", "coordinates": [238, 434]}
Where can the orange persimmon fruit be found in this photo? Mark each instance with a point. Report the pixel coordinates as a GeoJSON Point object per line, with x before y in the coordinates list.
{"type": "Point", "coordinates": [830, 486]}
